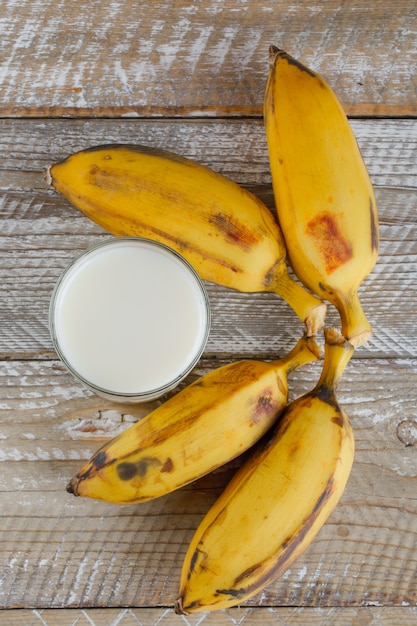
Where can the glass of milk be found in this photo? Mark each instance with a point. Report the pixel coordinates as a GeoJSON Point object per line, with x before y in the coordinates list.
{"type": "Point", "coordinates": [129, 318]}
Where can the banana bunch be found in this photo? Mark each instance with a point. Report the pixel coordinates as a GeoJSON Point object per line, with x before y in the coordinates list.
{"type": "Point", "coordinates": [324, 198]}
{"type": "Point", "coordinates": [278, 499]}
{"type": "Point", "coordinates": [301, 453]}
{"type": "Point", "coordinates": [225, 232]}
{"type": "Point", "coordinates": [203, 426]}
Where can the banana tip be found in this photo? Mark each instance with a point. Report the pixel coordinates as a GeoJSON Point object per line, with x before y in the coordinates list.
{"type": "Point", "coordinates": [274, 51]}
{"type": "Point", "coordinates": [72, 486]}
{"type": "Point", "coordinates": [178, 607]}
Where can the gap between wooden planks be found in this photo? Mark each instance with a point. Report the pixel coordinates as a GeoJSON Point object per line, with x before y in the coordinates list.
{"type": "Point", "coordinates": [266, 616]}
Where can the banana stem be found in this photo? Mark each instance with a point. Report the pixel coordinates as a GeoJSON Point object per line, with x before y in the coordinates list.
{"type": "Point", "coordinates": [309, 309]}
{"type": "Point", "coordinates": [355, 325]}
{"type": "Point", "coordinates": [337, 354]}
{"type": "Point", "coordinates": [305, 350]}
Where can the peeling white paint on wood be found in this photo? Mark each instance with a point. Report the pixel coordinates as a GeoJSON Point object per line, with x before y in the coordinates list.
{"type": "Point", "coordinates": [127, 57]}
{"type": "Point", "coordinates": [96, 427]}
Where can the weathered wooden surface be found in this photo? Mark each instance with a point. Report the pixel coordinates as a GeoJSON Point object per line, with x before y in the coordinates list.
{"type": "Point", "coordinates": [206, 57]}
{"type": "Point", "coordinates": [198, 71]}
{"type": "Point", "coordinates": [356, 616]}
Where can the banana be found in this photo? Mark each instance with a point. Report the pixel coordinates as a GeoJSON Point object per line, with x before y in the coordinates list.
{"type": "Point", "coordinates": [225, 232]}
{"type": "Point", "coordinates": [278, 499]}
{"type": "Point", "coordinates": [324, 198]}
{"type": "Point", "coordinates": [203, 426]}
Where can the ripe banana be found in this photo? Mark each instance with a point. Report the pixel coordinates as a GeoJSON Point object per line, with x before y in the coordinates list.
{"type": "Point", "coordinates": [324, 198]}
{"type": "Point", "coordinates": [226, 233]}
{"type": "Point", "coordinates": [205, 425]}
{"type": "Point", "coordinates": [277, 501]}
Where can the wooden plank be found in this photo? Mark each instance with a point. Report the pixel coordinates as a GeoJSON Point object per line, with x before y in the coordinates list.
{"type": "Point", "coordinates": [57, 551]}
{"type": "Point", "coordinates": [270, 616]}
{"type": "Point", "coordinates": [40, 231]}
{"type": "Point", "coordinates": [234, 147]}
{"type": "Point", "coordinates": [89, 58]}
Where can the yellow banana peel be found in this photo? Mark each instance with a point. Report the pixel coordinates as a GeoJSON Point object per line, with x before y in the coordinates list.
{"type": "Point", "coordinates": [203, 426]}
{"type": "Point", "coordinates": [324, 197]}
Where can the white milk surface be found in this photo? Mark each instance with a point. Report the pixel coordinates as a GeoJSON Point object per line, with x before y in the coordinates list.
{"type": "Point", "coordinates": [130, 318]}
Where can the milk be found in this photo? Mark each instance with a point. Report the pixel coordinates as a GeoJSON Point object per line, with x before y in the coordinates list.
{"type": "Point", "coordinates": [130, 317]}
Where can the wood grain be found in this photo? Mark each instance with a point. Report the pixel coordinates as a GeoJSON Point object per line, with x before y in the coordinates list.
{"type": "Point", "coordinates": [208, 58]}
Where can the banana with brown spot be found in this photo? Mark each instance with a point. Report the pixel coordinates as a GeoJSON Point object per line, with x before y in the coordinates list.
{"type": "Point", "coordinates": [203, 426]}
{"type": "Point", "coordinates": [324, 197]}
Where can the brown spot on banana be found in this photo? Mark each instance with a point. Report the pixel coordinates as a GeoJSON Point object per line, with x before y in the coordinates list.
{"type": "Point", "coordinates": [99, 460]}
{"type": "Point", "coordinates": [333, 248]}
{"type": "Point", "coordinates": [338, 419]}
{"type": "Point", "coordinates": [326, 289]}
{"type": "Point", "coordinates": [266, 404]}
{"type": "Point", "coordinates": [374, 226]}
{"type": "Point", "coordinates": [168, 466]}
{"type": "Point", "coordinates": [134, 227]}
{"type": "Point", "coordinates": [281, 386]}
{"type": "Point", "coordinates": [127, 471]}
{"type": "Point", "coordinates": [234, 231]}
{"type": "Point", "coordinates": [327, 395]}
